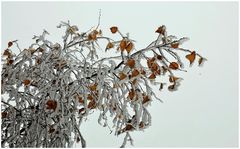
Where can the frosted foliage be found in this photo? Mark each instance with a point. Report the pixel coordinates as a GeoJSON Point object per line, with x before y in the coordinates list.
{"type": "Point", "coordinates": [49, 89]}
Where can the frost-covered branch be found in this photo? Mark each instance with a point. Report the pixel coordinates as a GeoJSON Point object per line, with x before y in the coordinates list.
{"type": "Point", "coordinates": [49, 88]}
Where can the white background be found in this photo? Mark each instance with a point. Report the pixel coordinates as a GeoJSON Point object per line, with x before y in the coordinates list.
{"type": "Point", "coordinates": [204, 111]}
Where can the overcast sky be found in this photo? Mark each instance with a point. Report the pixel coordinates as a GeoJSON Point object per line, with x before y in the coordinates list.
{"type": "Point", "coordinates": [204, 111]}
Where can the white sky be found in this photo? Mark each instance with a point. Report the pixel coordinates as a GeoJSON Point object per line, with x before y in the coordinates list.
{"type": "Point", "coordinates": [204, 111]}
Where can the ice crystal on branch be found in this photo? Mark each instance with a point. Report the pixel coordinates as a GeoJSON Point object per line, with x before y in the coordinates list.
{"type": "Point", "coordinates": [49, 88]}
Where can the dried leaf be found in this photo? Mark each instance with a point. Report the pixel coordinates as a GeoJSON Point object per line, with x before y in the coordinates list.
{"type": "Point", "coordinates": [141, 124]}
{"type": "Point", "coordinates": [90, 97]}
{"type": "Point", "coordinates": [129, 47]}
{"type": "Point", "coordinates": [114, 29]}
{"type": "Point", "coordinates": [123, 44]}
{"type": "Point", "coordinates": [128, 127]}
{"type": "Point", "coordinates": [161, 30]}
{"type": "Point", "coordinates": [191, 57]}
{"type": "Point", "coordinates": [174, 65]}
{"type": "Point", "coordinates": [109, 45]}
{"type": "Point", "coordinates": [40, 49]}
{"type": "Point", "coordinates": [175, 45]}
{"type": "Point", "coordinates": [150, 62]}
{"type": "Point", "coordinates": [4, 114]}
{"type": "Point", "coordinates": [95, 32]}
{"type": "Point", "coordinates": [10, 43]}
{"type": "Point", "coordinates": [173, 79]}
{"type": "Point", "coordinates": [152, 76]}
{"type": "Point", "coordinates": [131, 94]}
{"type": "Point", "coordinates": [200, 61]}
{"type": "Point", "coordinates": [7, 53]}
{"type": "Point", "coordinates": [158, 72]}
{"type": "Point", "coordinates": [26, 82]}
{"type": "Point", "coordinates": [92, 36]}
{"type": "Point", "coordinates": [159, 57]}
{"type": "Point", "coordinates": [51, 104]}
{"type": "Point", "coordinates": [143, 72]}
{"type": "Point", "coordinates": [10, 61]}
{"type": "Point", "coordinates": [93, 87]}
{"type": "Point", "coordinates": [131, 63]}
{"type": "Point", "coordinates": [145, 99]}
{"type": "Point", "coordinates": [134, 81]}
{"type": "Point", "coordinates": [51, 130]}
{"type": "Point", "coordinates": [80, 99]}
{"type": "Point", "coordinates": [31, 50]}
{"type": "Point", "coordinates": [135, 73]}
{"type": "Point", "coordinates": [154, 67]}
{"type": "Point", "coordinates": [38, 60]}
{"type": "Point", "coordinates": [78, 139]}
{"type": "Point", "coordinates": [122, 75]}
{"type": "Point", "coordinates": [92, 104]}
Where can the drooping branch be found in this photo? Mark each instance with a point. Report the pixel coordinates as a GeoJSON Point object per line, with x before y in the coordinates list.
{"type": "Point", "coordinates": [49, 88]}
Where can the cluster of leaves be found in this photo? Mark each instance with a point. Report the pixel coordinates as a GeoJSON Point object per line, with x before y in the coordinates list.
{"type": "Point", "coordinates": [49, 89]}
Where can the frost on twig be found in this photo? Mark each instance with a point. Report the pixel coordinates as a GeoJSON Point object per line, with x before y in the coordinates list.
{"type": "Point", "coordinates": [49, 88]}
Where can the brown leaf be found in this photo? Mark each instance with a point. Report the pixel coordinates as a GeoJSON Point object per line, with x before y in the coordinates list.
{"type": "Point", "coordinates": [78, 139]}
{"type": "Point", "coordinates": [40, 49]}
{"type": "Point", "coordinates": [10, 61]}
{"type": "Point", "coordinates": [131, 94]}
{"type": "Point", "coordinates": [123, 44]}
{"type": "Point", "coordinates": [200, 61]}
{"type": "Point", "coordinates": [129, 47]}
{"type": "Point", "coordinates": [173, 79]}
{"type": "Point", "coordinates": [141, 124]}
{"type": "Point", "coordinates": [26, 82]}
{"type": "Point", "coordinates": [135, 72]}
{"type": "Point", "coordinates": [95, 32]}
{"type": "Point", "coordinates": [31, 50]}
{"type": "Point", "coordinates": [51, 130]}
{"type": "Point", "coordinates": [154, 67]}
{"type": "Point", "coordinates": [10, 44]}
{"type": "Point", "coordinates": [143, 72]}
{"type": "Point", "coordinates": [152, 76]}
{"type": "Point", "coordinates": [159, 57]}
{"type": "Point", "coordinates": [122, 75]}
{"type": "Point", "coordinates": [92, 35]}
{"type": "Point", "coordinates": [173, 65]}
{"type": "Point", "coordinates": [161, 30]}
{"type": "Point", "coordinates": [4, 114]}
{"type": "Point", "coordinates": [175, 45]}
{"type": "Point", "coordinates": [150, 62]}
{"type": "Point", "coordinates": [128, 127]}
{"type": "Point", "coordinates": [51, 104]}
{"type": "Point", "coordinates": [80, 99]}
{"type": "Point", "coordinates": [7, 53]}
{"type": "Point", "coordinates": [92, 104]}
{"type": "Point", "coordinates": [134, 81]}
{"type": "Point", "coordinates": [145, 99]}
{"type": "Point", "coordinates": [131, 63]}
{"type": "Point", "coordinates": [109, 45]}
{"type": "Point", "coordinates": [38, 60]}
{"type": "Point", "coordinates": [114, 29]}
{"type": "Point", "coordinates": [93, 87]}
{"type": "Point", "coordinates": [90, 97]}
{"type": "Point", "coordinates": [158, 72]}
{"type": "Point", "coordinates": [191, 57]}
